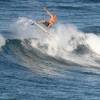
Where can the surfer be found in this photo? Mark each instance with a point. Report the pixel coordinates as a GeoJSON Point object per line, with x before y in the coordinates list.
{"type": "Point", "coordinates": [48, 23]}
{"type": "Point", "coordinates": [53, 19]}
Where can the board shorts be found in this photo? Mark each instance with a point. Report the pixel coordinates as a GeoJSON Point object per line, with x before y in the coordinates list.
{"type": "Point", "coordinates": [46, 23]}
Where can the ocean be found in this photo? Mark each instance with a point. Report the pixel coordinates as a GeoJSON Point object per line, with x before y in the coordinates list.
{"type": "Point", "coordinates": [61, 64]}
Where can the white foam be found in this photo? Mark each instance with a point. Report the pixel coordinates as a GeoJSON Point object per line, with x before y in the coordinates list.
{"type": "Point", "coordinates": [94, 42]}
{"type": "Point", "coordinates": [2, 41]}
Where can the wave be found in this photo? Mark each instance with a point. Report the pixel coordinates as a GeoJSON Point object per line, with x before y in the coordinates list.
{"type": "Point", "coordinates": [66, 44]}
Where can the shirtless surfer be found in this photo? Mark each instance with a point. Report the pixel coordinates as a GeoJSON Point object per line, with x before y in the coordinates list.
{"type": "Point", "coordinates": [48, 23]}
{"type": "Point", "coordinates": [53, 19]}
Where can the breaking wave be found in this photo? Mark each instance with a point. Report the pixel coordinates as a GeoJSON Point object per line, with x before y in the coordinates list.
{"type": "Point", "coordinates": [63, 43]}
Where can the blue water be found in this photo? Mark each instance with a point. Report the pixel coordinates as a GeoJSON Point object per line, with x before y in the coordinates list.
{"type": "Point", "coordinates": [29, 74]}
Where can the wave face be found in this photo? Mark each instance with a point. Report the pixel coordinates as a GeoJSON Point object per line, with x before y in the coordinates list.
{"type": "Point", "coordinates": [63, 63]}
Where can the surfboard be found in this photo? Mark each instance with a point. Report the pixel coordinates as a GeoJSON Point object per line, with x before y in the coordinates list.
{"type": "Point", "coordinates": [41, 27]}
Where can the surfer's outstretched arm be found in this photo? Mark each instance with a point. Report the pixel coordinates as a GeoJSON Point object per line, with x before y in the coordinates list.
{"type": "Point", "coordinates": [48, 12]}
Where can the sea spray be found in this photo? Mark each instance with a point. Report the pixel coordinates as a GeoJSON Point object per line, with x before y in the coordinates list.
{"type": "Point", "coordinates": [22, 29]}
